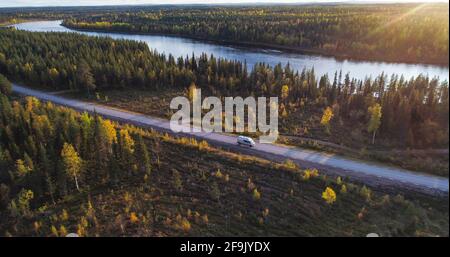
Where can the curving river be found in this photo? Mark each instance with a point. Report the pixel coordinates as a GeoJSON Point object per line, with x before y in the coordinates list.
{"type": "Point", "coordinates": [178, 46]}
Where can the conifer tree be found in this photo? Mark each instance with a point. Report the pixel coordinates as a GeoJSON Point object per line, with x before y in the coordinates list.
{"type": "Point", "coordinates": [142, 156]}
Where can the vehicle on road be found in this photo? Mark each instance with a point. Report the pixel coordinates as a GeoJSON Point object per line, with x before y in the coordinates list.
{"type": "Point", "coordinates": [242, 140]}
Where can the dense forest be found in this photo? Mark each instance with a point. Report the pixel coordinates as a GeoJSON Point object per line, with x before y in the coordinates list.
{"type": "Point", "coordinates": [65, 172]}
{"type": "Point", "coordinates": [391, 32]}
{"type": "Point", "coordinates": [398, 32]}
{"type": "Point", "coordinates": [44, 147]}
{"type": "Point", "coordinates": [62, 171]}
{"type": "Point", "coordinates": [415, 112]}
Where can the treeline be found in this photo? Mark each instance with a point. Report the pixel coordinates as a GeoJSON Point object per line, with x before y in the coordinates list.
{"type": "Point", "coordinates": [415, 111]}
{"type": "Point", "coordinates": [64, 61]}
{"type": "Point", "coordinates": [5, 20]}
{"type": "Point", "coordinates": [396, 32]}
{"type": "Point", "coordinates": [48, 152]}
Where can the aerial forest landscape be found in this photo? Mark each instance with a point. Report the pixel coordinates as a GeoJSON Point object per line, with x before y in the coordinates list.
{"type": "Point", "coordinates": [89, 95]}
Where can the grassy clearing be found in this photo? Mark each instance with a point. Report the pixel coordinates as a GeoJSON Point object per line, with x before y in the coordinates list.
{"type": "Point", "coordinates": [198, 190]}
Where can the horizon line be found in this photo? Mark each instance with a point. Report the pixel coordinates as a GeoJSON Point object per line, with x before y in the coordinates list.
{"type": "Point", "coordinates": [349, 2]}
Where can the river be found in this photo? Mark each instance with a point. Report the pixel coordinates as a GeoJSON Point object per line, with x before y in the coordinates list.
{"type": "Point", "coordinates": [178, 46]}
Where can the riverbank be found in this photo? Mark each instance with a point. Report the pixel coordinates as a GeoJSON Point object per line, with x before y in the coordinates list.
{"type": "Point", "coordinates": [268, 46]}
{"type": "Point", "coordinates": [182, 47]}
{"type": "Point", "coordinates": [18, 21]}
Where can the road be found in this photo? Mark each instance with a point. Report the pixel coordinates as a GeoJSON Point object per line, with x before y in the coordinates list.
{"type": "Point", "coordinates": [369, 173]}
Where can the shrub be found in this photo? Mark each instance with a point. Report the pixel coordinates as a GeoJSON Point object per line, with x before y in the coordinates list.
{"type": "Point", "coordinates": [310, 173]}
{"type": "Point", "coordinates": [54, 231]}
{"type": "Point", "coordinates": [329, 195]}
{"type": "Point", "coordinates": [215, 191]}
{"type": "Point", "coordinates": [64, 215]}
{"type": "Point", "coordinates": [166, 137]}
{"type": "Point", "coordinates": [82, 227]}
{"type": "Point", "coordinates": [177, 184]}
{"type": "Point", "coordinates": [37, 226]}
{"type": "Point", "coordinates": [62, 231]}
{"type": "Point", "coordinates": [362, 213]}
{"type": "Point", "coordinates": [260, 221]}
{"type": "Point", "coordinates": [314, 173]}
{"type": "Point", "coordinates": [343, 189]}
{"type": "Point", "coordinates": [289, 164]}
{"type": "Point", "coordinates": [385, 200]}
{"type": "Point", "coordinates": [306, 175]}
{"type": "Point", "coordinates": [185, 225]}
{"type": "Point", "coordinates": [256, 194]}
{"type": "Point", "coordinates": [205, 219]}
{"type": "Point", "coordinates": [366, 193]}
{"type": "Point", "coordinates": [21, 205]}
{"type": "Point", "coordinates": [218, 174]}
{"type": "Point", "coordinates": [250, 185]}
{"type": "Point", "coordinates": [134, 218]}
{"type": "Point", "coordinates": [203, 145]}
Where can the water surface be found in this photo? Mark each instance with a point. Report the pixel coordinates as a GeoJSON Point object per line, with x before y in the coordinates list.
{"type": "Point", "coordinates": [178, 46]}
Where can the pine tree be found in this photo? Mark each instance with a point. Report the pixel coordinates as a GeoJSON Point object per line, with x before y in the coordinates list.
{"type": "Point", "coordinates": [126, 150]}
{"type": "Point", "coordinates": [45, 168]}
{"type": "Point", "coordinates": [61, 178]}
{"type": "Point", "coordinates": [86, 134]}
{"type": "Point", "coordinates": [28, 162]}
{"type": "Point", "coordinates": [142, 156]}
{"type": "Point", "coordinates": [5, 85]}
{"type": "Point", "coordinates": [85, 79]}
{"type": "Point", "coordinates": [101, 149]}
{"type": "Point", "coordinates": [4, 196]}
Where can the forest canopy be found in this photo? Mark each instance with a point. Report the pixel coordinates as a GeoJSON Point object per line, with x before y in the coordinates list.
{"type": "Point", "coordinates": [62, 171]}
{"type": "Point", "coordinates": [415, 111]}
{"type": "Point", "coordinates": [65, 172]}
{"type": "Point", "coordinates": [397, 32]}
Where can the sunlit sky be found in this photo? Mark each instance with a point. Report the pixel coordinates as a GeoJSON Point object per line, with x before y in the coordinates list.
{"type": "Point", "coordinates": [16, 3]}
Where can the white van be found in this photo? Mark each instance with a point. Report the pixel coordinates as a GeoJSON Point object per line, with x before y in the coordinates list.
{"type": "Point", "coordinates": [241, 140]}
